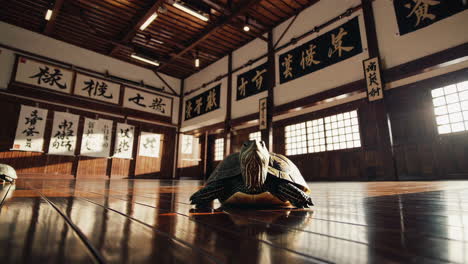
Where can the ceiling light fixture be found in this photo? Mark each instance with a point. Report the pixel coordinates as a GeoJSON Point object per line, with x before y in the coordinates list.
{"type": "Point", "coordinates": [246, 26]}
{"type": "Point", "coordinates": [190, 11]}
{"type": "Point", "coordinates": [148, 21]}
{"type": "Point", "coordinates": [48, 15]}
{"type": "Point", "coordinates": [156, 41]}
{"type": "Point", "coordinates": [197, 60]}
{"type": "Point", "coordinates": [144, 59]}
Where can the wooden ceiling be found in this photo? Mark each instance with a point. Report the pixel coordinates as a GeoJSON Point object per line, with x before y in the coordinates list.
{"type": "Point", "coordinates": [111, 27]}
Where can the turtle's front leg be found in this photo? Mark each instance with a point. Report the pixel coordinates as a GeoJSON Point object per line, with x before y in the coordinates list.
{"type": "Point", "coordinates": [204, 196]}
{"type": "Point", "coordinates": [288, 192]}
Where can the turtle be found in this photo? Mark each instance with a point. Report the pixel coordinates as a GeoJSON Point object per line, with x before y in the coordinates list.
{"type": "Point", "coordinates": [7, 173]}
{"type": "Point", "coordinates": [255, 176]}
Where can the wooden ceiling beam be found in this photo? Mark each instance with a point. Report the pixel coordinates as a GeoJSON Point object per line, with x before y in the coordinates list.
{"type": "Point", "coordinates": [49, 28]}
{"type": "Point", "coordinates": [136, 25]}
{"type": "Point", "coordinates": [244, 7]}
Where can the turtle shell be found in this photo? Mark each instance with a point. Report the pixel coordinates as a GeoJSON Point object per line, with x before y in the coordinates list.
{"type": "Point", "coordinates": [279, 166]}
{"type": "Point", "coordinates": [7, 172]}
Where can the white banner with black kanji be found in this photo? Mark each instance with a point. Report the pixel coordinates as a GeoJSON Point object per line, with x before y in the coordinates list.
{"type": "Point", "coordinates": [63, 137]}
{"type": "Point", "coordinates": [149, 144]}
{"type": "Point", "coordinates": [124, 141]}
{"type": "Point", "coordinates": [96, 138]}
{"type": "Point", "coordinates": [30, 130]}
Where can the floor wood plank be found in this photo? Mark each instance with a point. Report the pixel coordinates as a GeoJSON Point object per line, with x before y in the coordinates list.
{"type": "Point", "coordinates": [142, 221]}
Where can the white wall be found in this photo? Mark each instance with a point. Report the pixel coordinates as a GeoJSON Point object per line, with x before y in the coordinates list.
{"type": "Point", "coordinates": [396, 49]}
{"type": "Point", "coordinates": [195, 81]}
{"type": "Point", "coordinates": [42, 45]}
{"type": "Point", "coordinates": [250, 51]}
{"type": "Point", "coordinates": [338, 74]}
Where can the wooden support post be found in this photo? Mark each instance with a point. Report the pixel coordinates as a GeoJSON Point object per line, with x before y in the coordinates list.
{"type": "Point", "coordinates": [380, 110]}
{"type": "Point", "coordinates": [227, 120]}
{"type": "Point", "coordinates": [175, 171]}
{"type": "Point", "coordinates": [113, 135]}
{"type": "Point", "coordinates": [205, 156]}
{"type": "Point", "coordinates": [267, 134]}
{"type": "Point", "coordinates": [136, 145]}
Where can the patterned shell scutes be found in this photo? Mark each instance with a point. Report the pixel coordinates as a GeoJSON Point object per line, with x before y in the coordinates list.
{"type": "Point", "coordinates": [285, 169]}
{"type": "Point", "coordinates": [279, 166]}
{"type": "Point", "coordinates": [229, 167]}
{"type": "Point", "coordinates": [8, 171]}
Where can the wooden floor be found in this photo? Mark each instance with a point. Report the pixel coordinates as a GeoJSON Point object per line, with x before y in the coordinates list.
{"type": "Point", "coordinates": [151, 221]}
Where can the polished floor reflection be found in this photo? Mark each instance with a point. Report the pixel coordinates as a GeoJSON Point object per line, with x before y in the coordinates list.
{"type": "Point", "coordinates": [151, 221]}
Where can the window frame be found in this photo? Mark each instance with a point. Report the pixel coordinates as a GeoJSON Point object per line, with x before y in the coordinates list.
{"type": "Point", "coordinates": [434, 116]}
{"type": "Point", "coordinates": [215, 149]}
{"type": "Point", "coordinates": [322, 114]}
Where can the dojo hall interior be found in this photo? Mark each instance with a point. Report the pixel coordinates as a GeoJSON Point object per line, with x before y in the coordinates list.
{"type": "Point", "coordinates": [114, 112]}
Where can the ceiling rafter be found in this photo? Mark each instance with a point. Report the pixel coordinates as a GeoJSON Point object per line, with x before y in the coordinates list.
{"type": "Point", "coordinates": [49, 28]}
{"type": "Point", "coordinates": [136, 25]}
{"type": "Point", "coordinates": [244, 7]}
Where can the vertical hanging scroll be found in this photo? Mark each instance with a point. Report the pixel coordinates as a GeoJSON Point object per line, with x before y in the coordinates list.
{"type": "Point", "coordinates": [96, 138]}
{"type": "Point", "coordinates": [124, 141]}
{"type": "Point", "coordinates": [373, 79]}
{"type": "Point", "coordinates": [63, 137]}
{"type": "Point", "coordinates": [262, 111]}
{"type": "Point", "coordinates": [150, 144]}
{"type": "Point", "coordinates": [30, 129]}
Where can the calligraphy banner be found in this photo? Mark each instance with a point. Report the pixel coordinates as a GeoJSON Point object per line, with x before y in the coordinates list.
{"type": "Point", "coordinates": [97, 89]}
{"type": "Point", "coordinates": [96, 138]}
{"type": "Point", "coordinates": [63, 137]}
{"type": "Point", "coordinates": [373, 79]}
{"type": "Point", "coordinates": [30, 130]}
{"type": "Point", "coordinates": [147, 102]}
{"type": "Point", "coordinates": [413, 15]}
{"type": "Point", "coordinates": [32, 72]}
{"type": "Point", "coordinates": [262, 113]}
{"type": "Point", "coordinates": [327, 49]}
{"type": "Point", "coordinates": [149, 144]}
{"type": "Point", "coordinates": [124, 141]}
{"type": "Point", "coordinates": [251, 82]}
{"type": "Point", "coordinates": [203, 103]}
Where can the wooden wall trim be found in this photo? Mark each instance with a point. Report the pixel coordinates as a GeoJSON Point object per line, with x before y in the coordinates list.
{"type": "Point", "coordinates": [244, 119]}
{"type": "Point", "coordinates": [396, 73]}
{"type": "Point", "coordinates": [308, 101]}
{"type": "Point", "coordinates": [211, 129]}
{"type": "Point", "coordinates": [420, 65]}
{"type": "Point", "coordinates": [24, 96]}
{"type": "Point", "coordinates": [89, 71]}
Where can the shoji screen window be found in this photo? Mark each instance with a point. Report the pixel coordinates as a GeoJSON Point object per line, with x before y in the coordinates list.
{"type": "Point", "coordinates": [342, 131]}
{"type": "Point", "coordinates": [255, 135]}
{"type": "Point", "coordinates": [451, 108]}
{"type": "Point", "coordinates": [296, 139]}
{"type": "Point", "coordinates": [219, 149]}
{"type": "Point", "coordinates": [316, 136]}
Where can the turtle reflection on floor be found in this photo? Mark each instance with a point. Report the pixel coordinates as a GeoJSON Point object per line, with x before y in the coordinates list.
{"type": "Point", "coordinates": [255, 176]}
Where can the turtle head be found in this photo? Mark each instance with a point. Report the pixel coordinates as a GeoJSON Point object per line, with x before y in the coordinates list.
{"type": "Point", "coordinates": [254, 159]}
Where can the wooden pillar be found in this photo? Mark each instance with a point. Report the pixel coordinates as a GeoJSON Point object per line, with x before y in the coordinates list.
{"type": "Point", "coordinates": [267, 134]}
{"type": "Point", "coordinates": [175, 171]}
{"type": "Point", "coordinates": [205, 155]}
{"type": "Point", "coordinates": [113, 135]}
{"type": "Point", "coordinates": [380, 110]}
{"type": "Point", "coordinates": [227, 120]}
{"type": "Point", "coordinates": [136, 145]}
